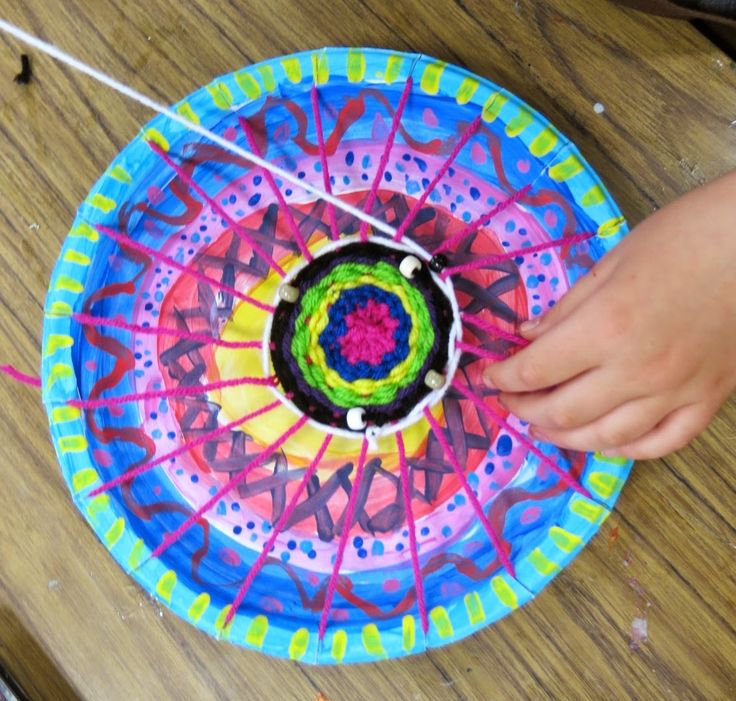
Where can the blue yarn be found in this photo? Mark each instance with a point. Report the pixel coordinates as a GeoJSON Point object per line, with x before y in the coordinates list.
{"type": "Point", "coordinates": [336, 327]}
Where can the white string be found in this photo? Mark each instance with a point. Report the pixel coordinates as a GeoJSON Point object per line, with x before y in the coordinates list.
{"type": "Point", "coordinates": [129, 92]}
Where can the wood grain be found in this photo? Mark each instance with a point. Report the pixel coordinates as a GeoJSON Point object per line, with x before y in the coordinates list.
{"type": "Point", "coordinates": [666, 554]}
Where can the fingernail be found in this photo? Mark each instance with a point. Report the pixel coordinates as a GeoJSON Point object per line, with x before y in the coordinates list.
{"type": "Point", "coordinates": [537, 434]}
{"type": "Point", "coordinates": [487, 377]}
{"type": "Point", "coordinates": [530, 324]}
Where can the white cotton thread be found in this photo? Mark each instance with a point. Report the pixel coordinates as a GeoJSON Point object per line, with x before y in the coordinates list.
{"type": "Point", "coordinates": [131, 93]}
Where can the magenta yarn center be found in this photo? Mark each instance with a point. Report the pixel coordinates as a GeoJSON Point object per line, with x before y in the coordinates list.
{"type": "Point", "coordinates": [370, 333]}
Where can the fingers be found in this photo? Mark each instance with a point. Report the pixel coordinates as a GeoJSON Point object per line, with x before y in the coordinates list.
{"type": "Point", "coordinates": [675, 431]}
{"type": "Point", "coordinates": [573, 404]}
{"type": "Point", "coordinates": [623, 426]}
{"type": "Point", "coordinates": [559, 355]}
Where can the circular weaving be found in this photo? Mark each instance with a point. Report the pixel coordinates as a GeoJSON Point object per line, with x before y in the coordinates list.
{"type": "Point", "coordinates": [269, 403]}
{"type": "Point", "coordinates": [361, 335]}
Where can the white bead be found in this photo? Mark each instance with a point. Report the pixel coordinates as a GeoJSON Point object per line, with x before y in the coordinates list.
{"type": "Point", "coordinates": [356, 418]}
{"type": "Point", "coordinates": [434, 380]}
{"type": "Point", "coordinates": [409, 266]}
{"type": "Point", "coordinates": [289, 293]}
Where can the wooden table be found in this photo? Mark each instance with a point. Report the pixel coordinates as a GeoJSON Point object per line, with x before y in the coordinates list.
{"type": "Point", "coordinates": [72, 625]}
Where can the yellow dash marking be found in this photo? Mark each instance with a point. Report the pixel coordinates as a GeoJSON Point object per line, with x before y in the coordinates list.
{"type": "Point", "coordinates": [430, 82]}
{"type": "Point", "coordinates": [520, 122]}
{"type": "Point", "coordinates": [115, 532]}
{"type": "Point", "coordinates": [199, 606]}
{"type": "Point", "coordinates": [63, 414]}
{"type": "Point", "coordinates": [76, 257]}
{"type": "Point", "coordinates": [60, 309]}
{"type": "Point", "coordinates": [220, 621]}
{"type": "Point", "coordinates": [157, 137]}
{"type": "Point", "coordinates": [441, 620]}
{"type": "Point", "coordinates": [298, 644]}
{"type": "Point", "coordinates": [542, 563]}
{"type": "Point", "coordinates": [566, 169]}
{"type": "Point", "coordinates": [186, 111]}
{"type": "Point", "coordinates": [611, 227]}
{"type": "Point", "coordinates": [293, 69]}
{"type": "Point", "coordinates": [73, 444]}
{"type": "Point", "coordinates": [320, 68]}
{"type": "Point", "coordinates": [564, 540]}
{"type": "Point", "coordinates": [339, 645]}
{"type": "Point", "coordinates": [221, 95]}
{"type": "Point", "coordinates": [355, 65]}
{"type": "Point", "coordinates": [408, 633]}
{"type": "Point", "coordinates": [593, 197]}
{"type": "Point", "coordinates": [266, 72]}
{"type": "Point", "coordinates": [84, 231]}
{"type": "Point", "coordinates": [97, 505]}
{"type": "Point", "coordinates": [120, 174]}
{"type": "Point", "coordinates": [544, 142]}
{"type": "Point", "coordinates": [248, 84]}
{"type": "Point", "coordinates": [611, 459]}
{"type": "Point", "coordinates": [604, 484]}
{"type": "Point", "coordinates": [59, 372]}
{"type": "Point", "coordinates": [104, 204]}
{"type": "Point", "coordinates": [588, 510]}
{"type": "Point", "coordinates": [372, 640]}
{"type": "Point", "coordinates": [136, 552]}
{"type": "Point", "coordinates": [83, 478]}
{"type": "Point", "coordinates": [257, 631]}
{"type": "Point", "coordinates": [393, 68]}
{"type": "Point", "coordinates": [466, 90]}
{"type": "Point", "coordinates": [166, 584]}
{"type": "Point", "coordinates": [504, 592]}
{"type": "Point", "coordinates": [68, 284]}
{"type": "Point", "coordinates": [493, 106]}
{"type": "Point", "coordinates": [56, 342]}
{"type": "Point", "coordinates": [474, 608]}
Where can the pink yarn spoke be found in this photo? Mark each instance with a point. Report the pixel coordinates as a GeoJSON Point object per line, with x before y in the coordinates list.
{"type": "Point", "coordinates": [283, 206]}
{"type": "Point", "coordinates": [480, 352]}
{"type": "Point", "coordinates": [172, 538]}
{"type": "Point", "coordinates": [126, 242]}
{"type": "Point", "coordinates": [418, 583]}
{"type": "Point", "coordinates": [481, 221]}
{"type": "Point", "coordinates": [89, 320]}
{"type": "Point", "coordinates": [568, 479]}
{"type": "Point", "coordinates": [216, 207]}
{"type": "Point", "coordinates": [19, 376]}
{"type": "Point", "coordinates": [493, 329]}
{"type": "Point", "coordinates": [467, 135]}
{"type": "Point", "coordinates": [477, 507]}
{"type": "Point", "coordinates": [172, 393]}
{"type": "Point", "coordinates": [346, 526]}
{"type": "Point", "coordinates": [395, 122]}
{"type": "Point", "coordinates": [498, 257]}
{"type": "Point", "coordinates": [204, 438]}
{"type": "Point", "coordinates": [323, 160]}
{"type": "Point", "coordinates": [276, 531]}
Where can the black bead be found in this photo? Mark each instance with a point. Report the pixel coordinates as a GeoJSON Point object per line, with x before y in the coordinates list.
{"type": "Point", "coordinates": [438, 263]}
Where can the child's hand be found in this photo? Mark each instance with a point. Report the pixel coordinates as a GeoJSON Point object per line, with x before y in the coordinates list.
{"type": "Point", "coordinates": [637, 358]}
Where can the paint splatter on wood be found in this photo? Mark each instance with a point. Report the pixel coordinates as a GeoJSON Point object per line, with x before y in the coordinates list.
{"type": "Point", "coordinates": [612, 536]}
{"type": "Point", "coordinates": [639, 632]}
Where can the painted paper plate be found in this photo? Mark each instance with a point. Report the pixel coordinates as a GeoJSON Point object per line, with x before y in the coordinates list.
{"type": "Point", "coordinates": [271, 411]}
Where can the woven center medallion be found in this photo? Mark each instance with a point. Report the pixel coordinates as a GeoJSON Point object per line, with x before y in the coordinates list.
{"type": "Point", "coordinates": [364, 326]}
